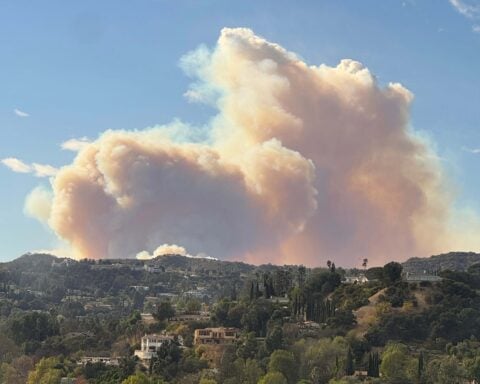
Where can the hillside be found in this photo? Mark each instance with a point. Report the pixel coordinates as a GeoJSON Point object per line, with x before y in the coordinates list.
{"type": "Point", "coordinates": [68, 313]}
{"type": "Point", "coordinates": [455, 261]}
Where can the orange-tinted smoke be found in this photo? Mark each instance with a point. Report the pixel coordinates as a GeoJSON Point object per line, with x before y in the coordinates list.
{"type": "Point", "coordinates": [303, 164]}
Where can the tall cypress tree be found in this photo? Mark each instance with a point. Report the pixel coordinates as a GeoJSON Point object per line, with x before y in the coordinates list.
{"type": "Point", "coordinates": [373, 365]}
{"type": "Point", "coordinates": [349, 364]}
{"type": "Point", "coordinates": [421, 365]}
{"type": "Point", "coordinates": [376, 365]}
{"type": "Point", "coordinates": [370, 365]}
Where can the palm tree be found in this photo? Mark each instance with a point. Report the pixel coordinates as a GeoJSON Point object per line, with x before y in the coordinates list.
{"type": "Point", "coordinates": [365, 263]}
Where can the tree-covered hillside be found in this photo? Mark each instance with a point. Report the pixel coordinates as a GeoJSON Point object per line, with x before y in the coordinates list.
{"type": "Point", "coordinates": [292, 325]}
{"type": "Point", "coordinates": [455, 261]}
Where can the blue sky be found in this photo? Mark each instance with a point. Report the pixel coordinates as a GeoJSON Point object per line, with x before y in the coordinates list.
{"type": "Point", "coordinates": [79, 68]}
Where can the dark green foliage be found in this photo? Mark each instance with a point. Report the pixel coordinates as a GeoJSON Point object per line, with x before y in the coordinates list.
{"type": "Point", "coordinates": [421, 366]}
{"type": "Point", "coordinates": [248, 346]}
{"type": "Point", "coordinates": [397, 293]}
{"type": "Point", "coordinates": [392, 272]}
{"type": "Point", "coordinates": [319, 310]}
{"type": "Point", "coordinates": [33, 327]}
{"type": "Point", "coordinates": [256, 317]}
{"type": "Point", "coordinates": [268, 288]}
{"type": "Point", "coordinates": [455, 261]}
{"type": "Point", "coordinates": [349, 363]}
{"type": "Point", "coordinates": [301, 276]}
{"type": "Point", "coordinates": [164, 311]}
{"type": "Point", "coordinates": [284, 362]}
{"type": "Point", "coordinates": [472, 280]}
{"type": "Point", "coordinates": [342, 320]}
{"type": "Point", "coordinates": [310, 302]}
{"type": "Point", "coordinates": [474, 269]}
{"type": "Point", "coordinates": [282, 281]}
{"type": "Point", "coordinates": [274, 339]}
{"type": "Point", "coordinates": [375, 273]}
{"type": "Point", "coordinates": [321, 281]}
{"type": "Point", "coordinates": [166, 362]}
{"type": "Point", "coordinates": [373, 364]}
{"type": "Point", "coordinates": [399, 327]}
{"type": "Point", "coordinates": [354, 296]}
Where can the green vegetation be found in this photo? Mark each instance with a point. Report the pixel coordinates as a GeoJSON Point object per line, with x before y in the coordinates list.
{"type": "Point", "coordinates": [295, 325]}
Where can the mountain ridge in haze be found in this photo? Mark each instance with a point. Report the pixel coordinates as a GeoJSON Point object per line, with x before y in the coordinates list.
{"type": "Point", "coordinates": [455, 260]}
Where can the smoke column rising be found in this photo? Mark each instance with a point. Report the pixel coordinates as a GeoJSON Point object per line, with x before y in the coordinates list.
{"type": "Point", "coordinates": [302, 164]}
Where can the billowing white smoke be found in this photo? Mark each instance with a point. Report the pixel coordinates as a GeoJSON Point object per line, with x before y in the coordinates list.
{"type": "Point", "coordinates": [164, 249]}
{"type": "Point", "coordinates": [302, 164]}
{"type": "Point", "coordinates": [170, 249]}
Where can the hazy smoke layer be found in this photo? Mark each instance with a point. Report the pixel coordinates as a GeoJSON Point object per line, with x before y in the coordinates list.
{"type": "Point", "coordinates": [302, 164]}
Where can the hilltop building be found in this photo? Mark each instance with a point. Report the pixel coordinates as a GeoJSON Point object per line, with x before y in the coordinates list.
{"type": "Point", "coordinates": [150, 344]}
{"type": "Point", "coordinates": [216, 336]}
{"type": "Point", "coordinates": [359, 279]}
{"type": "Point", "coordinates": [213, 342]}
{"type": "Point", "coordinates": [107, 360]}
{"type": "Point", "coordinates": [415, 277]}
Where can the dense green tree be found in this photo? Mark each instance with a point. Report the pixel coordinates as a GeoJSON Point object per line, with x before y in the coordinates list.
{"type": "Point", "coordinates": [138, 378]}
{"type": "Point", "coordinates": [373, 369]}
{"type": "Point", "coordinates": [252, 372]}
{"type": "Point", "coordinates": [167, 359]}
{"type": "Point", "coordinates": [47, 371]}
{"type": "Point", "coordinates": [392, 272]}
{"type": "Point", "coordinates": [374, 273]}
{"type": "Point", "coordinates": [164, 311]}
{"type": "Point", "coordinates": [282, 281]}
{"type": "Point", "coordinates": [349, 363]}
{"type": "Point", "coordinates": [273, 378]}
{"type": "Point", "coordinates": [397, 366]}
{"type": "Point", "coordinates": [17, 371]}
{"type": "Point", "coordinates": [274, 339]}
{"type": "Point", "coordinates": [445, 370]}
{"type": "Point", "coordinates": [472, 366]}
{"type": "Point", "coordinates": [33, 326]}
{"type": "Point", "coordinates": [284, 362]}
{"type": "Point", "coordinates": [248, 346]}
{"type": "Point", "coordinates": [342, 319]}
{"type": "Point", "coordinates": [324, 356]}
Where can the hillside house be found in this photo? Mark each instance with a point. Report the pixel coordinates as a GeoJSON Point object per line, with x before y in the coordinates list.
{"type": "Point", "coordinates": [195, 316]}
{"type": "Point", "coordinates": [414, 277]}
{"type": "Point", "coordinates": [147, 318]}
{"type": "Point", "coordinates": [150, 344]}
{"type": "Point", "coordinates": [111, 361]}
{"type": "Point", "coordinates": [359, 279]}
{"type": "Point", "coordinates": [216, 336]}
{"type": "Point", "coordinates": [140, 288]}
{"type": "Point", "coordinates": [66, 262]}
{"type": "Point", "coordinates": [152, 268]}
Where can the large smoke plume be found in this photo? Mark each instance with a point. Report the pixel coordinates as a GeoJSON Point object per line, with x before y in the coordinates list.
{"type": "Point", "coordinates": [302, 164]}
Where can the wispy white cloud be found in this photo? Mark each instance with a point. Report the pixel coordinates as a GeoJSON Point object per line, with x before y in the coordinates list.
{"type": "Point", "coordinates": [475, 151]}
{"type": "Point", "coordinates": [16, 165]}
{"type": "Point", "coordinates": [75, 145]}
{"type": "Point", "coordinates": [19, 166]}
{"type": "Point", "coordinates": [476, 28]}
{"type": "Point", "coordinates": [44, 170]}
{"type": "Point", "coordinates": [408, 2]}
{"type": "Point", "coordinates": [470, 9]}
{"type": "Point", "coordinates": [20, 113]}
